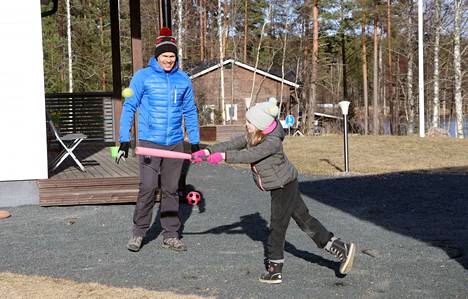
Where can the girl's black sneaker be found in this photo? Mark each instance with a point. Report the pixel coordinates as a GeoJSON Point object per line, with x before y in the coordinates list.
{"type": "Point", "coordinates": [274, 274]}
{"type": "Point", "coordinates": [343, 251]}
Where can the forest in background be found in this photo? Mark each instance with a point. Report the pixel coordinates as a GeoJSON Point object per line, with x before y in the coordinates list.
{"type": "Point", "coordinates": [363, 51]}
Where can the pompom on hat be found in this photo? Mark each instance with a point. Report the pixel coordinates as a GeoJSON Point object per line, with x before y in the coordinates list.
{"type": "Point", "coordinates": [263, 114]}
{"type": "Point", "coordinates": [165, 42]}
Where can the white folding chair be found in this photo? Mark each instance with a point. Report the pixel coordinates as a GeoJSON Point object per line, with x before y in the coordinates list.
{"type": "Point", "coordinates": [69, 142]}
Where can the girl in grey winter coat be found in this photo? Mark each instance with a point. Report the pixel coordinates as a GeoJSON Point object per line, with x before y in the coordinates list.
{"type": "Point", "coordinates": [262, 148]}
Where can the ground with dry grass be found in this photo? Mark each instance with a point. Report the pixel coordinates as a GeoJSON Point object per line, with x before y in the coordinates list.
{"type": "Point", "coordinates": [32, 287]}
{"type": "Point", "coordinates": [324, 155]}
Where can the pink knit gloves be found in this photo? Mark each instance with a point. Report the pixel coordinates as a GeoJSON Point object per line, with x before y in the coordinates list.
{"type": "Point", "coordinates": [198, 156]}
{"type": "Point", "coordinates": [202, 155]}
{"type": "Point", "coordinates": [215, 158]}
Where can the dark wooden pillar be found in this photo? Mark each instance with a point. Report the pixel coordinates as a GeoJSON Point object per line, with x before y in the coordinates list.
{"type": "Point", "coordinates": [165, 14]}
{"type": "Point", "coordinates": [135, 29]}
{"type": "Point", "coordinates": [137, 50]}
{"type": "Point", "coordinates": [116, 68]}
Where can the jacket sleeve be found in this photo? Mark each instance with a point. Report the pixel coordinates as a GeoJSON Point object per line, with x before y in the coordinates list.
{"type": "Point", "coordinates": [268, 147]}
{"type": "Point", "coordinates": [191, 115]}
{"type": "Point", "coordinates": [130, 106]}
{"type": "Point", "coordinates": [235, 143]}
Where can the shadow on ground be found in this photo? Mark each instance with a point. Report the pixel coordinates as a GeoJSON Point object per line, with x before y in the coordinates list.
{"type": "Point", "coordinates": [427, 206]}
{"type": "Point", "coordinates": [256, 228]}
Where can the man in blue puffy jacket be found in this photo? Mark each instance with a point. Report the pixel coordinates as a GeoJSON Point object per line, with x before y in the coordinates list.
{"type": "Point", "coordinates": [162, 95]}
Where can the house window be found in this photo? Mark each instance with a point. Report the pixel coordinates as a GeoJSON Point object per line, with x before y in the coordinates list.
{"type": "Point", "coordinates": [231, 111]}
{"type": "Point", "coordinates": [208, 114]}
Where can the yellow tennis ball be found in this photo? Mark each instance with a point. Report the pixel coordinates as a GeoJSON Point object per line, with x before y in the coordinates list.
{"type": "Point", "coordinates": [127, 92]}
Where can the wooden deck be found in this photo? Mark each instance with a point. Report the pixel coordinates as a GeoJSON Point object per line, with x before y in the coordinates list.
{"type": "Point", "coordinates": [103, 182]}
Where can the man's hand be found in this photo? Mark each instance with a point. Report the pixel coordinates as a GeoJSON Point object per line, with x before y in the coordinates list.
{"type": "Point", "coordinates": [194, 148]}
{"type": "Point", "coordinates": [123, 152]}
{"type": "Point", "coordinates": [198, 156]}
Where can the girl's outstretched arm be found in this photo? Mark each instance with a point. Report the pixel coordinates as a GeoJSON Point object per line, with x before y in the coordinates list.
{"type": "Point", "coordinates": [269, 146]}
{"type": "Point", "coordinates": [235, 143]}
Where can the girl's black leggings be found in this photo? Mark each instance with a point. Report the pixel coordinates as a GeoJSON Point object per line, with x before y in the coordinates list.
{"type": "Point", "coordinates": [287, 202]}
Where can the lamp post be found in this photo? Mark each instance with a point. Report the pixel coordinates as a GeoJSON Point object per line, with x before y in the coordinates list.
{"type": "Point", "coordinates": [344, 105]}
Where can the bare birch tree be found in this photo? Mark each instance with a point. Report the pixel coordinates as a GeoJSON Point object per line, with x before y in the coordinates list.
{"type": "Point", "coordinates": [246, 26]}
{"type": "Point", "coordinates": [306, 59]}
{"type": "Point", "coordinates": [202, 24]}
{"type": "Point", "coordinates": [69, 52]}
{"type": "Point", "coordinates": [180, 29]}
{"type": "Point", "coordinates": [389, 89]}
{"type": "Point", "coordinates": [267, 20]}
{"type": "Point", "coordinates": [285, 42]}
{"type": "Point", "coordinates": [436, 101]}
{"type": "Point", "coordinates": [364, 68]}
{"type": "Point", "coordinates": [221, 58]}
{"type": "Point", "coordinates": [410, 106]}
{"type": "Point", "coordinates": [457, 68]}
{"type": "Point", "coordinates": [375, 103]}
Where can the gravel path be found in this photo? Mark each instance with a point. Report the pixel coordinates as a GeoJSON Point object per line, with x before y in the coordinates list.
{"type": "Point", "coordinates": [411, 232]}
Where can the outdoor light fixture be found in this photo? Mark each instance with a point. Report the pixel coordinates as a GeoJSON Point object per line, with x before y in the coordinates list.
{"type": "Point", "coordinates": [344, 105]}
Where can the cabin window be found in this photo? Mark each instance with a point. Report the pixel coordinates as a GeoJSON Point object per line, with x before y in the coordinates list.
{"type": "Point", "coordinates": [231, 111]}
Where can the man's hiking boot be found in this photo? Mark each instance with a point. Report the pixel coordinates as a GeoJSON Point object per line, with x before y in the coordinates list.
{"type": "Point", "coordinates": [174, 244]}
{"type": "Point", "coordinates": [134, 244]}
{"type": "Point", "coordinates": [274, 274]}
{"type": "Point", "coordinates": [343, 251]}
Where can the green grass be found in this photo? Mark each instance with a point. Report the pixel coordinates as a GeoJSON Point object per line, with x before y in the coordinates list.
{"type": "Point", "coordinates": [377, 154]}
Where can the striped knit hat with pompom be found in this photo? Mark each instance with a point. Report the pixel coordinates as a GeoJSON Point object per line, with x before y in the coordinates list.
{"type": "Point", "coordinates": [165, 42]}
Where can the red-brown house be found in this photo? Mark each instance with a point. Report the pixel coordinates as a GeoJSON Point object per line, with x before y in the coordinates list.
{"type": "Point", "coordinates": [238, 79]}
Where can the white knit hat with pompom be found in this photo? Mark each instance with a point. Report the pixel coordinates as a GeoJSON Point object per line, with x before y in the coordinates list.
{"type": "Point", "coordinates": [263, 114]}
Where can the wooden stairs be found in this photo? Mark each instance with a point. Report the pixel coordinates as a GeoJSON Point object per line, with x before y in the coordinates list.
{"type": "Point", "coordinates": [87, 191]}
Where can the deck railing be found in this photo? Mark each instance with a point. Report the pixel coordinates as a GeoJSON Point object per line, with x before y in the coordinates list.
{"type": "Point", "coordinates": [90, 113]}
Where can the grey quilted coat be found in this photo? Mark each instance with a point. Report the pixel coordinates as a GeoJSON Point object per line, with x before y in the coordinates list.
{"type": "Point", "coordinates": [271, 168]}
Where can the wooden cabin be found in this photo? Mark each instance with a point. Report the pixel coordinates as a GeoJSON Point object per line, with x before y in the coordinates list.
{"type": "Point", "coordinates": [238, 79]}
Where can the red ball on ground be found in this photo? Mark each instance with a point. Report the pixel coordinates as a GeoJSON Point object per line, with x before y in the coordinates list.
{"type": "Point", "coordinates": [193, 198]}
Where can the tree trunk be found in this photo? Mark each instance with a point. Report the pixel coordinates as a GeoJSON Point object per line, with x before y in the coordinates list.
{"type": "Point", "coordinates": [382, 85]}
{"type": "Point", "coordinates": [409, 76]}
{"type": "Point", "coordinates": [457, 69]}
{"type": "Point", "coordinates": [252, 98]}
{"type": "Point", "coordinates": [397, 96]}
{"type": "Point", "coordinates": [246, 27]}
{"type": "Point", "coordinates": [375, 104]}
{"type": "Point", "coordinates": [226, 28]}
{"type": "Point", "coordinates": [101, 35]}
{"type": "Point", "coordinates": [186, 27]}
{"type": "Point", "coordinates": [202, 22]}
{"type": "Point", "coordinates": [389, 94]}
{"type": "Point", "coordinates": [212, 41]}
{"type": "Point", "coordinates": [436, 101]}
{"type": "Point", "coordinates": [232, 18]}
{"type": "Point", "coordinates": [221, 58]}
{"type": "Point", "coordinates": [283, 58]}
{"type": "Point", "coordinates": [180, 40]}
{"type": "Point", "coordinates": [69, 52]}
{"type": "Point", "coordinates": [410, 96]}
{"type": "Point", "coordinates": [306, 65]}
{"type": "Point", "coordinates": [313, 77]}
{"type": "Point", "coordinates": [364, 70]}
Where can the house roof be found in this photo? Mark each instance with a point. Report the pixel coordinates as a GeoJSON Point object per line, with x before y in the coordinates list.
{"type": "Point", "coordinates": [245, 66]}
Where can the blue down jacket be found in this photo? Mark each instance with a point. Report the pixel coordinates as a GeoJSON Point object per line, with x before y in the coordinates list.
{"type": "Point", "coordinates": [162, 99]}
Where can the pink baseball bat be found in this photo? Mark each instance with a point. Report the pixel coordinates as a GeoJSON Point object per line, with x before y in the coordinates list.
{"type": "Point", "coordinates": [145, 151]}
